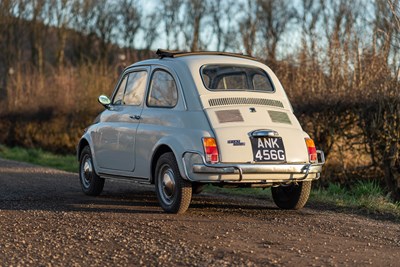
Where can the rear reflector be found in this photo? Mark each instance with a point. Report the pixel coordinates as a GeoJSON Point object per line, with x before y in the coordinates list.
{"type": "Point", "coordinates": [312, 151]}
{"type": "Point", "coordinates": [211, 150]}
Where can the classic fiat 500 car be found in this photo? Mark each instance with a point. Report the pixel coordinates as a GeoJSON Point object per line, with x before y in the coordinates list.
{"type": "Point", "coordinates": [189, 119]}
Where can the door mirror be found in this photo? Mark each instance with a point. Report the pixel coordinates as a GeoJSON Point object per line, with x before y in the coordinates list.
{"type": "Point", "coordinates": [104, 100]}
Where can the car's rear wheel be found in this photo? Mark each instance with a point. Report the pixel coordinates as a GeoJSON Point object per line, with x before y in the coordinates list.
{"type": "Point", "coordinates": [173, 192]}
{"type": "Point", "coordinates": [293, 196]}
{"type": "Point", "coordinates": [91, 183]}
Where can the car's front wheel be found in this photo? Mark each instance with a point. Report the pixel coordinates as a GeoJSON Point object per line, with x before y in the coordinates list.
{"type": "Point", "coordinates": [293, 196]}
{"type": "Point", "coordinates": [91, 183]}
{"type": "Point", "coordinates": [173, 192]}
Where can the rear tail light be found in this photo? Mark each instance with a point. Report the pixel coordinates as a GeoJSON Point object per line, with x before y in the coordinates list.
{"type": "Point", "coordinates": [312, 151]}
{"type": "Point", "coordinates": [211, 150]}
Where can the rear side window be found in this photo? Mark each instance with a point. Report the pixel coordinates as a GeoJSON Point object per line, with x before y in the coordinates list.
{"type": "Point", "coordinates": [236, 77]}
{"type": "Point", "coordinates": [163, 91]}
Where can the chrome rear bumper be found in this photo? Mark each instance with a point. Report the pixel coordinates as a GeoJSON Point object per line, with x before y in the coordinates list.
{"type": "Point", "coordinates": [241, 169]}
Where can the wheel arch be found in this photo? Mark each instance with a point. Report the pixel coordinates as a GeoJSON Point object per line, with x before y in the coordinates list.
{"type": "Point", "coordinates": [82, 143]}
{"type": "Point", "coordinates": [160, 150]}
{"type": "Point", "coordinates": [178, 144]}
{"type": "Point", "coordinates": [86, 141]}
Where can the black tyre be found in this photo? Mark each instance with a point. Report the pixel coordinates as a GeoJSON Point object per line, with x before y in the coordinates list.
{"type": "Point", "coordinates": [91, 183]}
{"type": "Point", "coordinates": [292, 196]}
{"type": "Point", "coordinates": [173, 192]}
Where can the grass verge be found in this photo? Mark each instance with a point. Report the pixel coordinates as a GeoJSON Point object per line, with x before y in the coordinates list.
{"type": "Point", "coordinates": [40, 157]}
{"type": "Point", "coordinates": [363, 196]}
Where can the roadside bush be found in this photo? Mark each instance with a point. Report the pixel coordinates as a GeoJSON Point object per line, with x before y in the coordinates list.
{"type": "Point", "coordinates": [366, 189]}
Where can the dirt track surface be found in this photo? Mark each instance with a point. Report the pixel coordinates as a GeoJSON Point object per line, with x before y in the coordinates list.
{"type": "Point", "coordinates": [46, 220]}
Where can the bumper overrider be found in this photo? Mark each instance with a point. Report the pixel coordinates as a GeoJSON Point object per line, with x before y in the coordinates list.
{"type": "Point", "coordinates": [295, 171]}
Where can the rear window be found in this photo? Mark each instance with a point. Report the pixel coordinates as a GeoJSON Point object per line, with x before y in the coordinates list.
{"type": "Point", "coordinates": [234, 77]}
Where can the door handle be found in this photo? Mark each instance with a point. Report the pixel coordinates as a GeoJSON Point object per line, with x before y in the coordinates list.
{"type": "Point", "coordinates": [135, 117]}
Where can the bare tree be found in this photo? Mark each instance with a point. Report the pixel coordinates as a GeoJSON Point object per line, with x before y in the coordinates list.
{"type": "Point", "coordinates": [395, 22]}
{"type": "Point", "coordinates": [61, 16]}
{"type": "Point", "coordinates": [248, 27]}
{"type": "Point", "coordinates": [339, 24]}
{"type": "Point", "coordinates": [38, 32]}
{"type": "Point", "coordinates": [194, 11]}
{"type": "Point", "coordinates": [385, 26]}
{"type": "Point", "coordinates": [12, 33]}
{"type": "Point", "coordinates": [106, 20]}
{"type": "Point", "coordinates": [130, 13]}
{"type": "Point", "coordinates": [274, 18]}
{"type": "Point", "coordinates": [309, 21]}
{"type": "Point", "coordinates": [152, 22]}
{"type": "Point", "coordinates": [169, 12]}
{"type": "Point", "coordinates": [10, 36]}
{"type": "Point", "coordinates": [84, 22]}
{"type": "Point", "coordinates": [222, 20]}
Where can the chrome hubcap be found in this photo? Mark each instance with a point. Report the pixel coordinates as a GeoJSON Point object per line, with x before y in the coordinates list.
{"type": "Point", "coordinates": [86, 171]}
{"type": "Point", "coordinates": [167, 185]}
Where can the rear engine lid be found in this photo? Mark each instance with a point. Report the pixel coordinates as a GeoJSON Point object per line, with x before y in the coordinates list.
{"type": "Point", "coordinates": [236, 119]}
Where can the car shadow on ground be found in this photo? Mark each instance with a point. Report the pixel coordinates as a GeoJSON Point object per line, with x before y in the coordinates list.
{"type": "Point", "coordinates": [48, 193]}
{"type": "Point", "coordinates": [126, 200]}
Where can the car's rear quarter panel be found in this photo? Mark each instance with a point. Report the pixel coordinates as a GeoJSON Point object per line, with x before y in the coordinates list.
{"type": "Point", "coordinates": [180, 130]}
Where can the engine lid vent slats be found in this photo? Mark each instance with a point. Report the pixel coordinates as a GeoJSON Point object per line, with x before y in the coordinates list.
{"type": "Point", "coordinates": [228, 101]}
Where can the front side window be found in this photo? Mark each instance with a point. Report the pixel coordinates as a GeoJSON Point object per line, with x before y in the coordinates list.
{"type": "Point", "coordinates": [119, 95]}
{"type": "Point", "coordinates": [235, 77]}
{"type": "Point", "coordinates": [135, 88]}
{"type": "Point", "coordinates": [163, 91]}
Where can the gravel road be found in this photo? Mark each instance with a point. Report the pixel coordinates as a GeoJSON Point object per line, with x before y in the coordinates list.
{"type": "Point", "coordinates": [46, 220]}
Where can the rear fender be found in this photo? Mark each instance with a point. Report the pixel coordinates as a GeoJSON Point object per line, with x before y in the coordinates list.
{"type": "Point", "coordinates": [175, 144]}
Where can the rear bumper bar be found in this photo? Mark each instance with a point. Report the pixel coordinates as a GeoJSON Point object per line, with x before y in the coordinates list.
{"type": "Point", "coordinates": [286, 168]}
